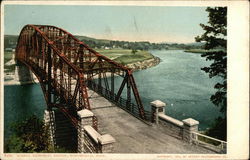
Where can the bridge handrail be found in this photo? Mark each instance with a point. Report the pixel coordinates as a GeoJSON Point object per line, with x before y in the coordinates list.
{"type": "Point", "coordinates": [210, 141]}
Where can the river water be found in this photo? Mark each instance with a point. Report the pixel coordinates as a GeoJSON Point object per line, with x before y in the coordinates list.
{"type": "Point", "coordinates": [177, 81]}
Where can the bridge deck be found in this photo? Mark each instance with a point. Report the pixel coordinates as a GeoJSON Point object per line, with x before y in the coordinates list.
{"type": "Point", "coordinates": [134, 136]}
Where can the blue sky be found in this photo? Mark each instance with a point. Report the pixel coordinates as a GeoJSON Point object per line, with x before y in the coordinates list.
{"type": "Point", "coordinates": [132, 23]}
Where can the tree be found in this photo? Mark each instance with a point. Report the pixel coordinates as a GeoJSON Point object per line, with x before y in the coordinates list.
{"type": "Point", "coordinates": [29, 136]}
{"type": "Point", "coordinates": [133, 51]}
{"type": "Point", "coordinates": [216, 46]}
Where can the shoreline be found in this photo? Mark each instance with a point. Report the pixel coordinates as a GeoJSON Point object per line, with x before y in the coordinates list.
{"type": "Point", "coordinates": [17, 83]}
{"type": "Point", "coordinates": [141, 65]}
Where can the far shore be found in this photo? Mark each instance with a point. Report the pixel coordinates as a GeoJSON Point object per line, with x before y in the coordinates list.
{"type": "Point", "coordinates": [197, 51]}
{"type": "Point", "coordinates": [135, 66]}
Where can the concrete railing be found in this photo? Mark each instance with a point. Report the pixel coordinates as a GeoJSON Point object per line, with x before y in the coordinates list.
{"type": "Point", "coordinates": [90, 144]}
{"type": "Point", "coordinates": [186, 129]}
{"type": "Point", "coordinates": [173, 126]}
{"type": "Point", "coordinates": [96, 143]}
{"type": "Point", "coordinates": [89, 140]}
{"type": "Point", "coordinates": [209, 142]}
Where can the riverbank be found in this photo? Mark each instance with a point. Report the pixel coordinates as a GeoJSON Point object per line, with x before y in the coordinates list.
{"type": "Point", "coordinates": [13, 79]}
{"type": "Point", "coordinates": [11, 76]}
{"type": "Point", "coordinates": [144, 64]}
{"type": "Point", "coordinates": [136, 61]}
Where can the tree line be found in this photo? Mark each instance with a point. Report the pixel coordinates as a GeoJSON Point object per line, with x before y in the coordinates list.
{"type": "Point", "coordinates": [108, 44]}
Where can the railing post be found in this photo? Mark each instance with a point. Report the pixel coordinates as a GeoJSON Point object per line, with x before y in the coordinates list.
{"type": "Point", "coordinates": [157, 107]}
{"type": "Point", "coordinates": [86, 118]}
{"type": "Point", "coordinates": [106, 143]}
{"type": "Point", "coordinates": [189, 125]}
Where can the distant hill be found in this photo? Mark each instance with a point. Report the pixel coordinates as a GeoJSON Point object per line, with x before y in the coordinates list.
{"type": "Point", "coordinates": [10, 41]}
{"type": "Point", "coordinates": [85, 38]}
{"type": "Point", "coordinates": [196, 44]}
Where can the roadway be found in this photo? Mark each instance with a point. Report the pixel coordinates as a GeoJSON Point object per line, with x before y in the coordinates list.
{"type": "Point", "coordinates": [134, 136]}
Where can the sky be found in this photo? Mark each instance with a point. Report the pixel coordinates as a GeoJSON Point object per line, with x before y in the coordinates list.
{"type": "Point", "coordinates": [131, 23]}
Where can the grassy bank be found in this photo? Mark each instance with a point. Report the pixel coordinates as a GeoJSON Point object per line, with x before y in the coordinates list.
{"type": "Point", "coordinates": [125, 56]}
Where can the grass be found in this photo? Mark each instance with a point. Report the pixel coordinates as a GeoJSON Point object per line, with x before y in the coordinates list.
{"type": "Point", "coordinates": [126, 59]}
{"type": "Point", "coordinates": [113, 53]}
{"type": "Point", "coordinates": [125, 56]}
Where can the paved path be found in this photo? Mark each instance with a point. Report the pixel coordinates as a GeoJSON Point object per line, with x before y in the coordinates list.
{"type": "Point", "coordinates": [134, 136]}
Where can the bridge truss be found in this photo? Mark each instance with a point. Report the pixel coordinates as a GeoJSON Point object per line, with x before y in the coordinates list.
{"type": "Point", "coordinates": [66, 68]}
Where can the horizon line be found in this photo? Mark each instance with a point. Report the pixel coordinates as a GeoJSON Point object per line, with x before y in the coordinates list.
{"type": "Point", "coordinates": [120, 39]}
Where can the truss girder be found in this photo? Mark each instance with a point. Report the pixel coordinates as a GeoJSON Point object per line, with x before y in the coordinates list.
{"type": "Point", "coordinates": [66, 67]}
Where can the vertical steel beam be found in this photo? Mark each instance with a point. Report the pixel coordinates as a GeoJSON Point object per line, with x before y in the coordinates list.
{"type": "Point", "coordinates": [112, 85]}
{"type": "Point", "coordinates": [61, 80]}
{"type": "Point", "coordinates": [69, 83]}
{"type": "Point", "coordinates": [80, 52]}
{"type": "Point", "coordinates": [128, 95]}
{"type": "Point", "coordinates": [136, 95]}
{"type": "Point", "coordinates": [100, 77]}
{"type": "Point", "coordinates": [49, 92]}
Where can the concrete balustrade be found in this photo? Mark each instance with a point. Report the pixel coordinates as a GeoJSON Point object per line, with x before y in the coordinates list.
{"type": "Point", "coordinates": [171, 125]}
{"type": "Point", "coordinates": [157, 107]}
{"type": "Point", "coordinates": [180, 129]}
{"type": "Point", "coordinates": [190, 125]}
{"type": "Point", "coordinates": [86, 119]}
{"type": "Point", "coordinates": [106, 143]}
{"type": "Point", "coordinates": [89, 140]}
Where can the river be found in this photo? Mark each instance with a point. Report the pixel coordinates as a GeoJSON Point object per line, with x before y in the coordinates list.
{"type": "Point", "coordinates": [177, 81]}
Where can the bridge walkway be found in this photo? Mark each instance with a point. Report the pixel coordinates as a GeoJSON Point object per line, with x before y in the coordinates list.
{"type": "Point", "coordinates": [134, 136]}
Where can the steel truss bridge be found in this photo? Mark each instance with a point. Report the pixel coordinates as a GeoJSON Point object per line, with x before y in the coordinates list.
{"type": "Point", "coordinates": [66, 68]}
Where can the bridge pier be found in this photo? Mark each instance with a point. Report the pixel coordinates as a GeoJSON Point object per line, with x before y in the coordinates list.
{"type": "Point", "coordinates": [23, 74]}
{"type": "Point", "coordinates": [49, 120]}
{"type": "Point", "coordinates": [61, 132]}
